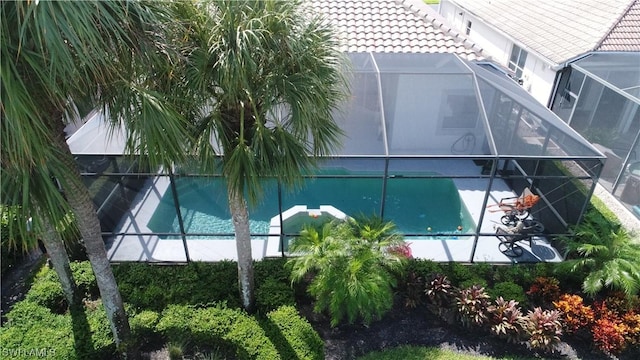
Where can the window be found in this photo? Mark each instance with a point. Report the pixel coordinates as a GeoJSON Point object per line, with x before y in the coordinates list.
{"type": "Point", "coordinates": [517, 60]}
{"type": "Point", "coordinates": [468, 28]}
{"type": "Point", "coordinates": [460, 110]}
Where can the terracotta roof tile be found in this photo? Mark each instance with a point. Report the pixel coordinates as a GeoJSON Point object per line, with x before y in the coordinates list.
{"type": "Point", "coordinates": [625, 33]}
{"type": "Point", "coordinates": [401, 26]}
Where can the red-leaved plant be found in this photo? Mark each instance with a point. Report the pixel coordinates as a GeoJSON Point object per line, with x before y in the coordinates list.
{"type": "Point", "coordinates": [506, 320]}
{"type": "Point", "coordinates": [473, 306]}
{"type": "Point", "coordinates": [544, 291]}
{"type": "Point", "coordinates": [543, 329]}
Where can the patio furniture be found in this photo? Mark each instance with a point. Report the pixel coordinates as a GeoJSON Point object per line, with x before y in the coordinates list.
{"type": "Point", "coordinates": [510, 236]}
{"type": "Point", "coordinates": [517, 206]}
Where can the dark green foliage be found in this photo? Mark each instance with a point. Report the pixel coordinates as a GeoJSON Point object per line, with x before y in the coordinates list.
{"type": "Point", "coordinates": [411, 288]}
{"type": "Point", "coordinates": [423, 268]}
{"type": "Point", "coordinates": [230, 330]}
{"type": "Point", "coordinates": [353, 265]}
{"type": "Point", "coordinates": [604, 253]}
{"type": "Point", "coordinates": [85, 335]}
{"type": "Point", "coordinates": [273, 293]}
{"type": "Point", "coordinates": [143, 325]}
{"type": "Point", "coordinates": [272, 268]}
{"type": "Point", "coordinates": [473, 281]}
{"type": "Point", "coordinates": [84, 277]}
{"type": "Point", "coordinates": [458, 273]}
{"type": "Point", "coordinates": [508, 290]}
{"type": "Point", "coordinates": [151, 287]}
{"type": "Point", "coordinates": [292, 335]}
{"type": "Point", "coordinates": [46, 291]}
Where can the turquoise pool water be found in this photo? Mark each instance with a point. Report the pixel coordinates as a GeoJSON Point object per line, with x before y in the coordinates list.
{"type": "Point", "coordinates": [415, 205]}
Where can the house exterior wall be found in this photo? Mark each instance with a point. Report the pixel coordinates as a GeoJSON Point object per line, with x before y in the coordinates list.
{"type": "Point", "coordinates": [537, 77]}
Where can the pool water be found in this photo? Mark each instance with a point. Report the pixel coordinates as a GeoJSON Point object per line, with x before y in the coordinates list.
{"type": "Point", "coordinates": [415, 205]}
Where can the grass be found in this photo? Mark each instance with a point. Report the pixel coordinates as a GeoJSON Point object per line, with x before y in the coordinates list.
{"type": "Point", "coordinates": [431, 2]}
{"type": "Point", "coordinates": [426, 353]}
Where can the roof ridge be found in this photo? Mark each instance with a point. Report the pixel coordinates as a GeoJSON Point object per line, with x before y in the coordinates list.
{"type": "Point", "coordinates": [423, 10]}
{"type": "Point", "coordinates": [616, 22]}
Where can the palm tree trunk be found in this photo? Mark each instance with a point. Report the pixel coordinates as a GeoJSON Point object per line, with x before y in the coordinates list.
{"type": "Point", "coordinates": [60, 261]}
{"type": "Point", "coordinates": [240, 216]}
{"type": "Point", "coordinates": [87, 220]}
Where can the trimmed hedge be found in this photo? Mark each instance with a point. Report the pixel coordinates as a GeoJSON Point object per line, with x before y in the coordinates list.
{"type": "Point", "coordinates": [230, 330]}
{"type": "Point", "coordinates": [293, 335]}
{"type": "Point", "coordinates": [32, 330]}
{"type": "Point", "coordinates": [283, 334]}
{"type": "Point", "coordinates": [47, 291]}
{"type": "Point", "coordinates": [153, 287]}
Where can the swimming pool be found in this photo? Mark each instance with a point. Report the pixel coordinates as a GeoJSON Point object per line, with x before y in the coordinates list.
{"type": "Point", "coordinates": [415, 205]}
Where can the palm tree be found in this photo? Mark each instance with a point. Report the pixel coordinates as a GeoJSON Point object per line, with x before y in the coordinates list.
{"type": "Point", "coordinates": [55, 54]}
{"type": "Point", "coordinates": [606, 253]}
{"type": "Point", "coordinates": [353, 264]}
{"type": "Point", "coordinates": [265, 76]}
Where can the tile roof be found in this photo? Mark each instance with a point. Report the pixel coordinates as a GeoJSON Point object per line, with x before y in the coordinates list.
{"type": "Point", "coordinates": [558, 30]}
{"type": "Point", "coordinates": [625, 33]}
{"type": "Point", "coordinates": [394, 26]}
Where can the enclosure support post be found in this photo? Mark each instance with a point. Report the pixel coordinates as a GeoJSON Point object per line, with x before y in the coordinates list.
{"type": "Point", "coordinates": [494, 170]}
{"type": "Point", "coordinates": [280, 219]}
{"type": "Point", "coordinates": [176, 203]}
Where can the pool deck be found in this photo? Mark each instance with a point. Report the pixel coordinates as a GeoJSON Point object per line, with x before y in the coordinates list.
{"type": "Point", "coordinates": [150, 248]}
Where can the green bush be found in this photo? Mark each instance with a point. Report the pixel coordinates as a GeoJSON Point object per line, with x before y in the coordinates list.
{"type": "Point", "coordinates": [33, 330]}
{"type": "Point", "coordinates": [424, 268]}
{"type": "Point", "coordinates": [292, 335]}
{"type": "Point", "coordinates": [273, 293]}
{"type": "Point", "coordinates": [457, 272]}
{"type": "Point", "coordinates": [473, 281]}
{"type": "Point", "coordinates": [143, 325]}
{"type": "Point", "coordinates": [272, 269]}
{"type": "Point", "coordinates": [229, 330]}
{"type": "Point", "coordinates": [355, 264]}
{"type": "Point", "coordinates": [509, 291]}
{"type": "Point", "coordinates": [84, 277]}
{"type": "Point", "coordinates": [46, 291]}
{"type": "Point", "coordinates": [144, 286]}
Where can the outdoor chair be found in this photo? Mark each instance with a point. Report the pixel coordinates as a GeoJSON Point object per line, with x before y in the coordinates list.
{"type": "Point", "coordinates": [517, 206]}
{"type": "Point", "coordinates": [510, 236]}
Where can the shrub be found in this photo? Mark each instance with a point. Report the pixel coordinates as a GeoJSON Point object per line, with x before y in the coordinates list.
{"type": "Point", "coordinates": [84, 277]}
{"type": "Point", "coordinates": [412, 289]}
{"type": "Point", "coordinates": [423, 268]}
{"type": "Point", "coordinates": [473, 306]}
{"type": "Point", "coordinates": [38, 331]}
{"type": "Point", "coordinates": [46, 291]}
{"type": "Point", "coordinates": [441, 294]}
{"type": "Point", "coordinates": [143, 325]}
{"type": "Point", "coordinates": [353, 271]}
{"type": "Point", "coordinates": [144, 286]}
{"type": "Point", "coordinates": [544, 291]}
{"type": "Point", "coordinates": [608, 335]}
{"type": "Point", "coordinates": [506, 320]}
{"type": "Point", "coordinates": [292, 335]}
{"type": "Point", "coordinates": [543, 329]}
{"type": "Point", "coordinates": [508, 290]}
{"type": "Point", "coordinates": [273, 293]}
{"type": "Point", "coordinates": [230, 330]}
{"type": "Point", "coordinates": [458, 272]}
{"type": "Point", "coordinates": [272, 269]}
{"type": "Point", "coordinates": [575, 314]}
{"type": "Point", "coordinates": [473, 281]}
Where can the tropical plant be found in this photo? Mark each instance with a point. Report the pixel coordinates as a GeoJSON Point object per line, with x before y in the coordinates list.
{"type": "Point", "coordinates": [262, 78]}
{"type": "Point", "coordinates": [55, 55]}
{"type": "Point", "coordinates": [473, 306]}
{"type": "Point", "coordinates": [606, 253]}
{"type": "Point", "coordinates": [353, 277]}
{"type": "Point", "coordinates": [544, 291]}
{"type": "Point", "coordinates": [441, 295]}
{"type": "Point", "coordinates": [506, 320]}
{"type": "Point", "coordinates": [575, 315]}
{"type": "Point", "coordinates": [543, 329]}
